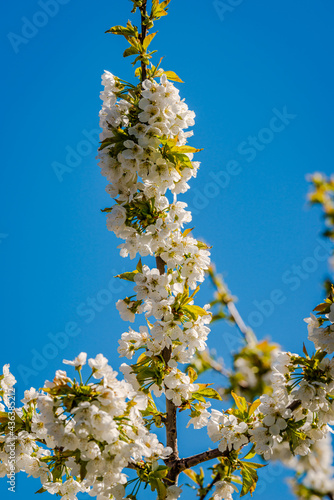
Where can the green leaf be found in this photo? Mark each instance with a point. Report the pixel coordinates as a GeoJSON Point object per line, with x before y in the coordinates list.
{"type": "Point", "coordinates": [198, 310]}
{"type": "Point", "coordinates": [253, 407]}
{"type": "Point", "coordinates": [158, 485]}
{"type": "Point", "coordinates": [251, 453]}
{"type": "Point", "coordinates": [249, 480]}
{"type": "Point", "coordinates": [131, 51]}
{"type": "Point", "coordinates": [41, 490]}
{"type": "Point", "coordinates": [139, 267]}
{"type": "Point", "coordinates": [187, 149]}
{"type": "Point", "coordinates": [254, 465]}
{"type": "Point", "coordinates": [134, 42]}
{"type": "Point", "coordinates": [194, 311]}
{"type": "Point", "coordinates": [239, 401]}
{"type": "Point", "coordinates": [173, 76]}
{"type": "Point", "coordinates": [305, 351]}
{"type": "Point", "coordinates": [83, 470]}
{"type": "Point", "coordinates": [118, 138]}
{"type": "Point", "coordinates": [148, 40]}
{"type": "Point", "coordinates": [192, 374]}
{"type": "Point", "coordinates": [207, 392]}
{"type": "Point", "coordinates": [158, 10]}
{"type": "Point", "coordinates": [130, 276]}
{"type": "Point", "coordinates": [129, 30]}
{"type": "Point", "coordinates": [187, 231]}
{"type": "Point", "coordinates": [192, 474]}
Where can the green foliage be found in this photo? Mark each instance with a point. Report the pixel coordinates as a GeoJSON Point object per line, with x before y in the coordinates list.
{"type": "Point", "coordinates": [205, 392]}
{"type": "Point", "coordinates": [249, 477]}
{"type": "Point", "coordinates": [177, 154]}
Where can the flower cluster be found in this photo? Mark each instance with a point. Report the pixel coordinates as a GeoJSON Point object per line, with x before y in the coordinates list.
{"type": "Point", "coordinates": [298, 412]}
{"type": "Point", "coordinates": [323, 195]}
{"type": "Point", "coordinates": [7, 382]}
{"type": "Point", "coordinates": [321, 328]}
{"type": "Point", "coordinates": [252, 369]}
{"type": "Point", "coordinates": [78, 437]}
{"type": "Point", "coordinates": [314, 472]}
{"type": "Point", "coordinates": [144, 155]}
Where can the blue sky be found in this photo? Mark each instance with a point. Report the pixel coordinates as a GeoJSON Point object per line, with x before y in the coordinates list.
{"type": "Point", "coordinates": [259, 76]}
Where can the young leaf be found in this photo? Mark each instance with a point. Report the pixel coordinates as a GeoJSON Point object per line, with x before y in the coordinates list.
{"type": "Point", "coordinates": [253, 407]}
{"type": "Point", "coordinates": [192, 374]}
{"type": "Point", "coordinates": [139, 267]}
{"type": "Point", "coordinates": [305, 351]}
{"type": "Point", "coordinates": [130, 276]}
{"type": "Point", "coordinates": [239, 401]}
{"type": "Point", "coordinates": [250, 454]}
{"type": "Point", "coordinates": [208, 392]}
{"type": "Point", "coordinates": [187, 149]}
{"type": "Point", "coordinates": [192, 474]}
{"type": "Point", "coordinates": [131, 51]}
{"type": "Point", "coordinates": [148, 40]}
{"type": "Point", "coordinates": [173, 76]}
{"type": "Point", "coordinates": [249, 480]}
{"type": "Point", "coordinates": [187, 231]}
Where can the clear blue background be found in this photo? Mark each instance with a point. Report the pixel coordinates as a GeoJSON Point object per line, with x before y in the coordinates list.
{"type": "Point", "coordinates": [238, 66]}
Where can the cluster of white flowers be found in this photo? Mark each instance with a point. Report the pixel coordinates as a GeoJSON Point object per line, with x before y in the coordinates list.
{"type": "Point", "coordinates": [91, 433]}
{"type": "Point", "coordinates": [228, 430]}
{"type": "Point", "coordinates": [7, 382]}
{"type": "Point", "coordinates": [315, 471]}
{"type": "Point", "coordinates": [144, 155]}
{"type": "Point", "coordinates": [224, 490]}
{"type": "Point", "coordinates": [300, 408]}
{"type": "Point", "coordinates": [322, 336]}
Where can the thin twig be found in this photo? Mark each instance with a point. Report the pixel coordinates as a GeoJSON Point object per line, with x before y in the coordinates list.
{"type": "Point", "coordinates": [226, 299]}
{"type": "Point", "coordinates": [209, 487]}
{"type": "Point", "coordinates": [246, 331]}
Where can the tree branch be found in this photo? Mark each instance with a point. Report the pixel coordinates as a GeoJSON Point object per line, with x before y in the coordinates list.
{"type": "Point", "coordinates": [143, 36]}
{"type": "Point", "coordinates": [294, 405]}
{"type": "Point", "coordinates": [244, 330]}
{"type": "Point", "coordinates": [209, 487]}
{"type": "Point", "coordinates": [226, 299]}
{"type": "Point", "coordinates": [187, 463]}
{"type": "Point", "coordinates": [160, 264]}
{"type": "Point", "coordinates": [170, 424]}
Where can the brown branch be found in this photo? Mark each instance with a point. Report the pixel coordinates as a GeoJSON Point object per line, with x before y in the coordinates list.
{"type": "Point", "coordinates": [294, 405]}
{"type": "Point", "coordinates": [142, 37]}
{"type": "Point", "coordinates": [170, 423]}
{"type": "Point", "coordinates": [187, 463]}
{"type": "Point", "coordinates": [160, 264]}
